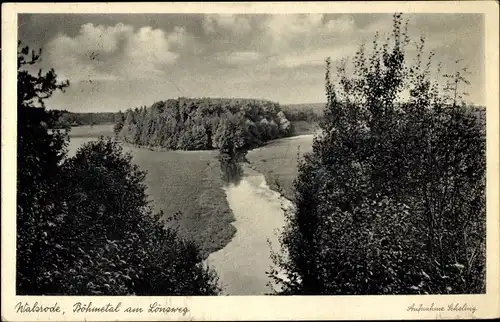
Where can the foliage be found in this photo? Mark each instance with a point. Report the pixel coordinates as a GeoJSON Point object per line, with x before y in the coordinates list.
{"type": "Point", "coordinates": [303, 112]}
{"type": "Point", "coordinates": [114, 244]}
{"type": "Point", "coordinates": [229, 135]}
{"type": "Point", "coordinates": [392, 198]}
{"type": "Point", "coordinates": [119, 121]}
{"type": "Point", "coordinates": [84, 224]}
{"type": "Point", "coordinates": [200, 124]}
{"type": "Point", "coordinates": [38, 155]}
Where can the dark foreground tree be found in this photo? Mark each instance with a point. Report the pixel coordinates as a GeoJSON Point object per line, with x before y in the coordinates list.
{"type": "Point", "coordinates": [84, 225]}
{"type": "Point", "coordinates": [392, 198]}
{"type": "Point", "coordinates": [39, 153]}
{"type": "Point", "coordinates": [107, 241]}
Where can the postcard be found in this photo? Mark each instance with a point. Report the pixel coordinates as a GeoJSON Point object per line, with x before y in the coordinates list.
{"type": "Point", "coordinates": [250, 161]}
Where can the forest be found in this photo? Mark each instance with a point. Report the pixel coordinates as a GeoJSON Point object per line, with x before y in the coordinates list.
{"type": "Point", "coordinates": [304, 112]}
{"type": "Point", "coordinates": [229, 125]}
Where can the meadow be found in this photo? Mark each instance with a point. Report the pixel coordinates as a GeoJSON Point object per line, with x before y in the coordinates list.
{"type": "Point", "coordinates": [179, 181]}
{"type": "Point", "coordinates": [278, 161]}
{"type": "Point", "coordinates": [190, 183]}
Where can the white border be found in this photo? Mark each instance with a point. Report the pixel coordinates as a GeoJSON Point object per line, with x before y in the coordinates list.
{"type": "Point", "coordinates": [252, 307]}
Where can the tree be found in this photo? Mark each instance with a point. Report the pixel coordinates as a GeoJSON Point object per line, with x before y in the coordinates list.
{"type": "Point", "coordinates": [84, 224]}
{"type": "Point", "coordinates": [230, 134]}
{"type": "Point", "coordinates": [115, 245]}
{"type": "Point", "coordinates": [39, 152]}
{"type": "Point", "coordinates": [391, 200]}
{"type": "Point", "coordinates": [120, 120]}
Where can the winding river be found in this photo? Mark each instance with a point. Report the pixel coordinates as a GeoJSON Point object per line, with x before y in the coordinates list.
{"type": "Point", "coordinates": [243, 263]}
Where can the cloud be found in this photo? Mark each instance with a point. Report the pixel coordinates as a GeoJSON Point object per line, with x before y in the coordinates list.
{"type": "Point", "coordinates": [254, 39]}
{"type": "Point", "coordinates": [179, 38]}
{"type": "Point", "coordinates": [118, 52]}
{"type": "Point", "coordinates": [295, 40]}
{"type": "Point", "coordinates": [289, 25]}
{"type": "Point", "coordinates": [343, 24]}
{"type": "Point", "coordinates": [233, 23]}
{"type": "Point", "coordinates": [239, 57]}
{"type": "Point", "coordinates": [205, 53]}
{"type": "Point", "coordinates": [315, 57]}
{"type": "Point", "coordinates": [148, 50]}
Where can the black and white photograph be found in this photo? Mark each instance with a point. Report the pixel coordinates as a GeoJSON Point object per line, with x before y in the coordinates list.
{"type": "Point", "coordinates": [250, 154]}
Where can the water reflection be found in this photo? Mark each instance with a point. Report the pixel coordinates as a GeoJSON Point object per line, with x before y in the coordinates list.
{"type": "Point", "coordinates": [230, 165]}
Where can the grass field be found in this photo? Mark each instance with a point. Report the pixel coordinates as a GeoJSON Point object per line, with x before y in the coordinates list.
{"type": "Point", "coordinates": [278, 161]}
{"type": "Point", "coordinates": [189, 182]}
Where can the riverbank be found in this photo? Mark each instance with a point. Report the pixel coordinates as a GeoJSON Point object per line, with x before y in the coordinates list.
{"type": "Point", "coordinates": [278, 161]}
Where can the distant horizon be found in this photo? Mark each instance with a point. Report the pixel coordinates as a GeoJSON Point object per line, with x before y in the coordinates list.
{"type": "Point", "coordinates": [242, 98]}
{"type": "Point", "coordinates": [149, 105]}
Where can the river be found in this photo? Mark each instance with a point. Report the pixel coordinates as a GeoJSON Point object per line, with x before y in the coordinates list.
{"type": "Point", "coordinates": [243, 263]}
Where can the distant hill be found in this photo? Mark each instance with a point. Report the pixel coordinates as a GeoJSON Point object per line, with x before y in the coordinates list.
{"type": "Point", "coordinates": [67, 118]}
{"type": "Point", "coordinates": [316, 107]}
{"type": "Point", "coordinates": [304, 112]}
{"type": "Point", "coordinates": [312, 111]}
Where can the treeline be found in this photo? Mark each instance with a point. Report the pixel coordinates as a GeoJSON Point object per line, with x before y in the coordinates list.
{"type": "Point", "coordinates": [84, 223]}
{"type": "Point", "coordinates": [66, 118]}
{"type": "Point", "coordinates": [206, 123]}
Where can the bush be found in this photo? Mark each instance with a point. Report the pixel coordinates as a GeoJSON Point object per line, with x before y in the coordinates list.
{"type": "Point", "coordinates": [392, 198]}
{"type": "Point", "coordinates": [107, 239]}
{"type": "Point", "coordinates": [39, 152]}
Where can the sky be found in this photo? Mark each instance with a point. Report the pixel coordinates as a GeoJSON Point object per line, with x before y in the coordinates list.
{"type": "Point", "coordinates": [120, 61]}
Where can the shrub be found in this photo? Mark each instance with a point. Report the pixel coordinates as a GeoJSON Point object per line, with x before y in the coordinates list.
{"type": "Point", "coordinates": [107, 239]}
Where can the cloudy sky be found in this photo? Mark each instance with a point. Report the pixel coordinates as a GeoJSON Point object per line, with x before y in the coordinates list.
{"type": "Point", "coordinates": [118, 61]}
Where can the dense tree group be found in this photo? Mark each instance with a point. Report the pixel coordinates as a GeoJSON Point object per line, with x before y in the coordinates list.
{"type": "Point", "coordinates": [84, 224]}
{"type": "Point", "coordinates": [197, 124]}
{"type": "Point", "coordinates": [392, 198]}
